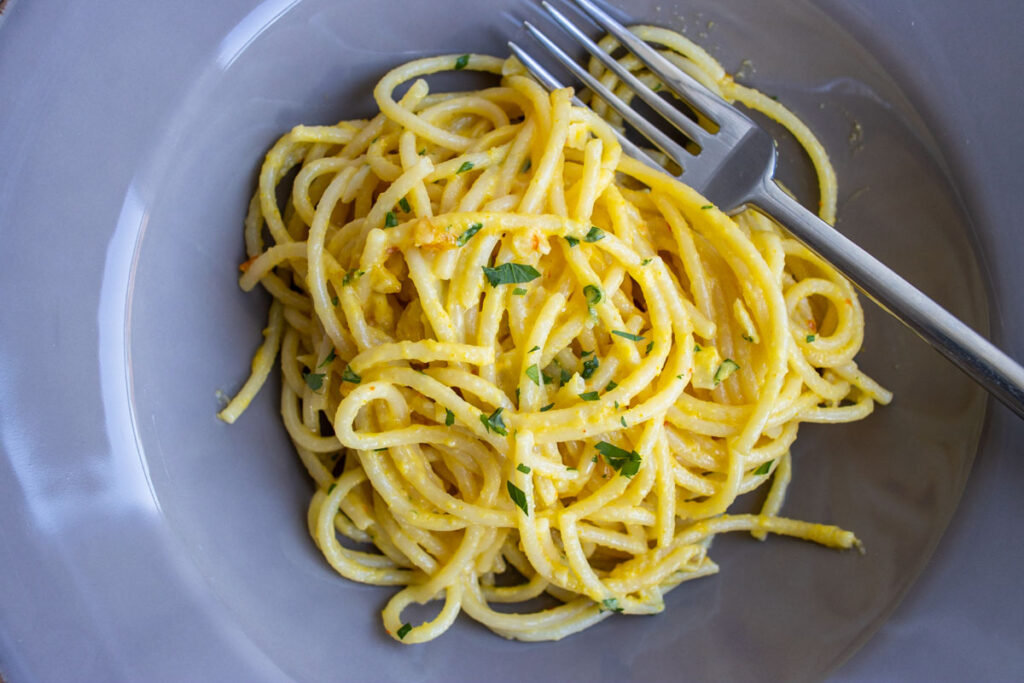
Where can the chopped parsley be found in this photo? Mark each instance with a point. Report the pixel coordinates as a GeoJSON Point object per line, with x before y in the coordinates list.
{"type": "Point", "coordinates": [494, 423]}
{"type": "Point", "coordinates": [707, 206]}
{"type": "Point", "coordinates": [535, 348]}
{"type": "Point", "coordinates": [626, 463]}
{"type": "Point", "coordinates": [314, 380]}
{"type": "Point", "coordinates": [510, 273]}
{"type": "Point", "coordinates": [765, 466]}
{"type": "Point", "coordinates": [657, 86]}
{"type": "Point", "coordinates": [470, 231]}
{"type": "Point", "coordinates": [650, 345]}
{"type": "Point", "coordinates": [461, 62]}
{"type": "Point", "coordinates": [404, 204]}
{"type": "Point", "coordinates": [727, 367]}
{"type": "Point", "coordinates": [565, 376]}
{"type": "Point", "coordinates": [595, 234]}
{"type": "Point", "coordinates": [327, 361]}
{"type": "Point", "coordinates": [449, 418]}
{"type": "Point", "coordinates": [547, 407]}
{"type": "Point", "coordinates": [404, 631]}
{"type": "Point", "coordinates": [389, 220]}
{"type": "Point", "coordinates": [627, 335]}
{"type": "Point", "coordinates": [622, 421]}
{"type": "Point", "coordinates": [331, 488]}
{"type": "Point", "coordinates": [593, 295]}
{"type": "Point", "coordinates": [525, 469]}
{"type": "Point", "coordinates": [533, 372]}
{"type": "Point", "coordinates": [611, 605]}
{"type": "Point", "coordinates": [810, 338]}
{"type": "Point", "coordinates": [610, 386]}
{"type": "Point", "coordinates": [589, 367]}
{"type": "Point", "coordinates": [696, 348]}
{"type": "Point", "coordinates": [518, 291]}
{"type": "Point", "coordinates": [572, 241]}
{"type": "Point", "coordinates": [351, 275]}
{"type": "Point", "coordinates": [589, 396]}
{"type": "Point", "coordinates": [466, 166]}
{"type": "Point", "coordinates": [584, 354]}
{"type": "Point", "coordinates": [747, 337]}
{"type": "Point", "coordinates": [334, 301]}
{"type": "Point", "coordinates": [646, 261]}
{"type": "Point", "coordinates": [526, 166]}
{"type": "Point", "coordinates": [350, 376]}
{"type": "Point", "coordinates": [517, 496]}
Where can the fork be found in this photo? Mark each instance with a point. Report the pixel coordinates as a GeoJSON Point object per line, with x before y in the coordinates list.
{"type": "Point", "coordinates": [734, 167]}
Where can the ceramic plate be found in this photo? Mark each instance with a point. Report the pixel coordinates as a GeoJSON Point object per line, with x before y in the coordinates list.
{"type": "Point", "coordinates": [143, 538]}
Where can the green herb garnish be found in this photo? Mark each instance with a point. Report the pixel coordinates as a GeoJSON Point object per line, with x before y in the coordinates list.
{"type": "Point", "coordinates": [707, 206]}
{"type": "Point", "coordinates": [727, 367]}
{"type": "Point", "coordinates": [334, 301]}
{"type": "Point", "coordinates": [461, 62]}
{"type": "Point", "coordinates": [351, 275]}
{"type": "Point", "coordinates": [525, 469]}
{"type": "Point", "coordinates": [589, 396]}
{"type": "Point", "coordinates": [466, 166]}
{"type": "Point", "coordinates": [518, 291]}
{"type": "Point", "coordinates": [470, 231]}
{"type": "Point", "coordinates": [589, 367]}
{"type": "Point", "coordinates": [626, 463]}
{"type": "Point", "coordinates": [610, 386]}
{"type": "Point", "coordinates": [517, 496]}
{"type": "Point", "coordinates": [494, 423]}
{"type": "Point", "coordinates": [327, 361]}
{"type": "Point", "coordinates": [533, 372]}
{"type": "Point", "coordinates": [404, 631]}
{"type": "Point", "coordinates": [765, 466]}
{"type": "Point", "coordinates": [572, 241]}
{"type": "Point", "coordinates": [810, 338]}
{"type": "Point", "coordinates": [627, 335]}
{"type": "Point", "coordinates": [611, 605]}
{"type": "Point", "coordinates": [389, 220]}
{"type": "Point", "coordinates": [349, 376]}
{"type": "Point", "coordinates": [510, 273]}
{"type": "Point", "coordinates": [449, 418]}
{"type": "Point", "coordinates": [314, 380]}
{"type": "Point", "coordinates": [595, 234]}
{"type": "Point", "coordinates": [547, 407]}
{"type": "Point", "coordinates": [404, 204]}
{"type": "Point", "coordinates": [593, 295]}
{"type": "Point", "coordinates": [535, 348]}
{"type": "Point", "coordinates": [526, 166]}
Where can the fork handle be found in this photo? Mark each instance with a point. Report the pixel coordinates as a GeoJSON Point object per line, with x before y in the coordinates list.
{"type": "Point", "coordinates": [999, 374]}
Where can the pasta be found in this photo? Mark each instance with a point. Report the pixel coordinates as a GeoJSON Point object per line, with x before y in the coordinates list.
{"type": "Point", "coordinates": [522, 365]}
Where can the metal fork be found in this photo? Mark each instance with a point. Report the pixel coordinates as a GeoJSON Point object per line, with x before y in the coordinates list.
{"type": "Point", "coordinates": [735, 168]}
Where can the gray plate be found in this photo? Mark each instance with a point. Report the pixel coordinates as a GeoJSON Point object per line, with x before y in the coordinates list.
{"type": "Point", "coordinates": [144, 538]}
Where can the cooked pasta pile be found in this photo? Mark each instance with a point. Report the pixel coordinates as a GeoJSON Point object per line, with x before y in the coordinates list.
{"type": "Point", "coordinates": [519, 363]}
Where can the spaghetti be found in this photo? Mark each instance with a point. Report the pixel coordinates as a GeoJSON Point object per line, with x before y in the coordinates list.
{"type": "Point", "coordinates": [519, 363]}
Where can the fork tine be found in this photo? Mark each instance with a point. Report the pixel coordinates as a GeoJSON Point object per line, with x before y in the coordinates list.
{"type": "Point", "coordinates": [688, 127]}
{"type": "Point", "coordinates": [552, 83]}
{"type": "Point", "coordinates": [733, 124]}
{"type": "Point", "coordinates": [662, 141]}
